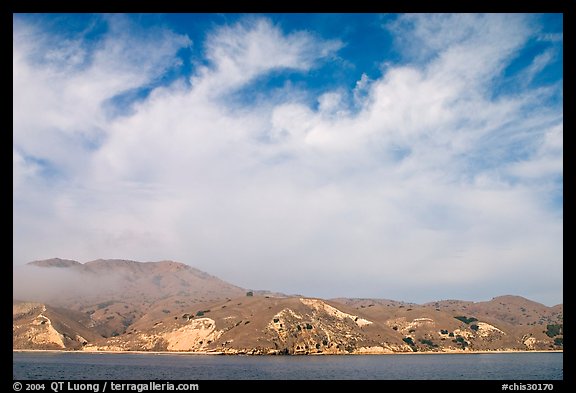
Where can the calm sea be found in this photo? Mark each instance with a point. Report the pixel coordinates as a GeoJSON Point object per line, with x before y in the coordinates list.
{"type": "Point", "coordinates": [83, 366]}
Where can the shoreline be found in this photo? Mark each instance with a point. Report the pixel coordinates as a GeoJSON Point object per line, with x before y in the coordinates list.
{"type": "Point", "coordinates": [182, 353]}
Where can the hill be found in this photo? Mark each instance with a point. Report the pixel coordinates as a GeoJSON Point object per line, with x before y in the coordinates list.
{"type": "Point", "coordinates": [123, 305]}
{"type": "Point", "coordinates": [115, 293]}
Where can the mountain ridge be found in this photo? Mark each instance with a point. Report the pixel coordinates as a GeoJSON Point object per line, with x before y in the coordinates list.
{"type": "Point", "coordinates": [171, 306]}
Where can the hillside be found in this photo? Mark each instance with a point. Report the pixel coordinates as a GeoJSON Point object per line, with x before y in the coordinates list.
{"type": "Point", "coordinates": [116, 293]}
{"type": "Point", "coordinates": [136, 281]}
{"type": "Point", "coordinates": [37, 326]}
{"type": "Point", "coordinates": [169, 306]}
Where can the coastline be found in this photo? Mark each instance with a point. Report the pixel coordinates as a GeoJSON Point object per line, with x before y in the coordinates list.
{"type": "Point", "coordinates": [312, 354]}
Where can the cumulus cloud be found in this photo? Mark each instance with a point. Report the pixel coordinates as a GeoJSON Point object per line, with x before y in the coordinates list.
{"type": "Point", "coordinates": [427, 187]}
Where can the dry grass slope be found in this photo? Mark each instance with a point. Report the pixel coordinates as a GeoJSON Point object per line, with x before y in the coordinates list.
{"type": "Point", "coordinates": [169, 306]}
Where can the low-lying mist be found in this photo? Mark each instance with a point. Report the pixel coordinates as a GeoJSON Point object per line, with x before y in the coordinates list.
{"type": "Point", "coordinates": [60, 285]}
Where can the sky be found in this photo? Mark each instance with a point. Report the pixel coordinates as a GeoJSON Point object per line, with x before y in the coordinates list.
{"type": "Point", "coordinates": [414, 157]}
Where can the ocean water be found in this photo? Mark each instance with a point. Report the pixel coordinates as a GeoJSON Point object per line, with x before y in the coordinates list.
{"type": "Point", "coordinates": [125, 366]}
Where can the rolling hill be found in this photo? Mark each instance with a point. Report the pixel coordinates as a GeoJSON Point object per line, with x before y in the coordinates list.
{"type": "Point", "coordinates": [120, 305]}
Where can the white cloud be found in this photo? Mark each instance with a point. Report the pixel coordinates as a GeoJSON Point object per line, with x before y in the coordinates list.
{"type": "Point", "coordinates": [547, 160]}
{"type": "Point", "coordinates": [538, 64]}
{"type": "Point", "coordinates": [425, 36]}
{"type": "Point", "coordinates": [551, 37]}
{"type": "Point", "coordinates": [66, 98]}
{"type": "Point", "coordinates": [22, 169]}
{"type": "Point", "coordinates": [378, 201]}
{"type": "Point", "coordinates": [253, 47]}
{"type": "Point", "coordinates": [361, 89]}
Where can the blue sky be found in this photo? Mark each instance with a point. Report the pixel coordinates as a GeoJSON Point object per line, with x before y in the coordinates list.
{"type": "Point", "coordinates": [415, 157]}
